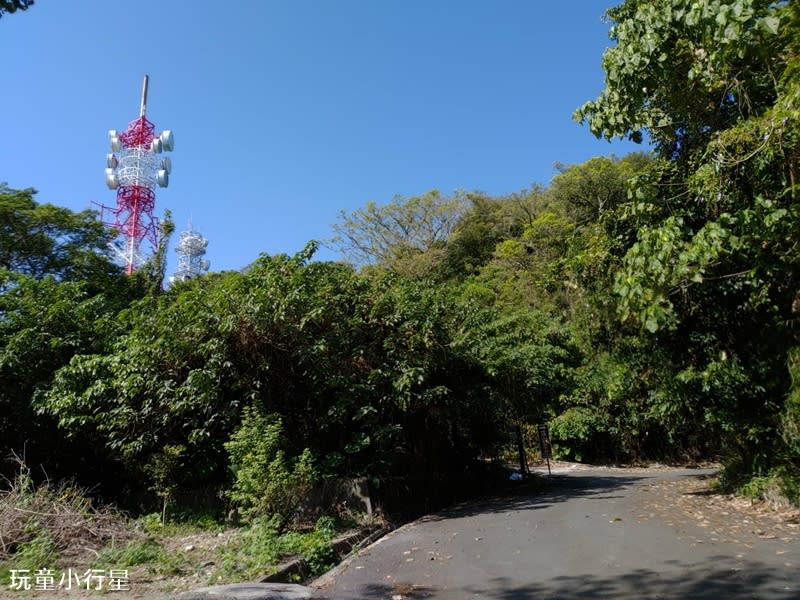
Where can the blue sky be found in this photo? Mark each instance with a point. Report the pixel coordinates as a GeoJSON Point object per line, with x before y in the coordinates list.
{"type": "Point", "coordinates": [286, 112]}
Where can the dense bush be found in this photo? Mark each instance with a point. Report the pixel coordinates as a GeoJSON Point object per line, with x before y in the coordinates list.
{"type": "Point", "coordinates": [266, 481]}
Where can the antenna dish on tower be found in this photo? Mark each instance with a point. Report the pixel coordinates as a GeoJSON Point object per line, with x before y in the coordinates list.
{"type": "Point", "coordinates": [168, 140]}
{"type": "Point", "coordinates": [113, 140]}
{"type": "Point", "coordinates": [163, 178]}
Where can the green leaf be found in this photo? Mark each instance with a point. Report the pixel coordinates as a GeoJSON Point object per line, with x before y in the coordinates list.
{"type": "Point", "coordinates": [651, 324]}
{"type": "Point", "coordinates": [770, 24]}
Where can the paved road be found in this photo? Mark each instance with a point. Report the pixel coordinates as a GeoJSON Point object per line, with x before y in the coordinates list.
{"type": "Point", "coordinates": [598, 533]}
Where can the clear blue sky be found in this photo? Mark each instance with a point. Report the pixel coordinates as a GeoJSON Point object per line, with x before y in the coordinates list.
{"type": "Point", "coordinates": [286, 112]}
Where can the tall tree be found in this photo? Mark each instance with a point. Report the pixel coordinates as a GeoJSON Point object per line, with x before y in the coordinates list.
{"type": "Point", "coordinates": [406, 226]}
{"type": "Point", "coordinates": [59, 294]}
{"type": "Point", "coordinates": [712, 268]}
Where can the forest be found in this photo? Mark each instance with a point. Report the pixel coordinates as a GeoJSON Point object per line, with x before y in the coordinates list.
{"type": "Point", "coordinates": [645, 307]}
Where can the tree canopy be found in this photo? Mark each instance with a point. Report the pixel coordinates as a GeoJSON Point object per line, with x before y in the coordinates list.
{"type": "Point", "coordinates": [401, 228]}
{"type": "Point", "coordinates": [42, 240]}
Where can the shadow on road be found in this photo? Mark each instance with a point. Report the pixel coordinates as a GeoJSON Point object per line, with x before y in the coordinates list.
{"type": "Point", "coordinates": [540, 493]}
{"type": "Point", "coordinates": [716, 578]}
{"type": "Point", "coordinates": [382, 591]}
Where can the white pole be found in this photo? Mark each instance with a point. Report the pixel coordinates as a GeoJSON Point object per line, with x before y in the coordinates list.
{"type": "Point", "coordinates": [143, 106]}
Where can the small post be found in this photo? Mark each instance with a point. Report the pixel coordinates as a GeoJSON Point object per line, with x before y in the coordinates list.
{"type": "Point", "coordinates": [143, 106]}
{"type": "Point", "coordinates": [544, 444]}
{"type": "Point", "coordinates": [523, 461]}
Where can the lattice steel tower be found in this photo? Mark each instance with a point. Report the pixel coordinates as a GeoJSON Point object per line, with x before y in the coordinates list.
{"type": "Point", "coordinates": [191, 248]}
{"type": "Point", "coordinates": [134, 169]}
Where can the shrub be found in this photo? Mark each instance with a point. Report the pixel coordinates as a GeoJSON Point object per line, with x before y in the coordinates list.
{"type": "Point", "coordinates": [572, 431]}
{"type": "Point", "coordinates": [267, 481]}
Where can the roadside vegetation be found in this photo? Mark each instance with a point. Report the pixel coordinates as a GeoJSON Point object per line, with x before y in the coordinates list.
{"type": "Point", "coordinates": [58, 528]}
{"type": "Point", "coordinates": [645, 306]}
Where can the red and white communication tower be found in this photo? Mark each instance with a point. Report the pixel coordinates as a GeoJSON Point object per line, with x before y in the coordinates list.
{"type": "Point", "coordinates": [134, 168]}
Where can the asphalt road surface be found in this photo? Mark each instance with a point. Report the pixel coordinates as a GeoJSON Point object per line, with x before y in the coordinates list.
{"type": "Point", "coordinates": [595, 533]}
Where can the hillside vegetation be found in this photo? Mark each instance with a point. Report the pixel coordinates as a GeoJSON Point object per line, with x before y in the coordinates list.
{"type": "Point", "coordinates": [645, 306]}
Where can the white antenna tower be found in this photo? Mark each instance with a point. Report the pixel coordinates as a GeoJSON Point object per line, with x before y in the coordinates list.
{"type": "Point", "coordinates": [191, 248]}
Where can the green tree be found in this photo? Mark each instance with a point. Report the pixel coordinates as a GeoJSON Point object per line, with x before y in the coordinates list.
{"type": "Point", "coordinates": [11, 6]}
{"type": "Point", "coordinates": [59, 292]}
{"type": "Point", "coordinates": [708, 264]}
{"type": "Point", "coordinates": [44, 324]}
{"type": "Point", "coordinates": [42, 240]}
{"type": "Point", "coordinates": [487, 222]}
{"type": "Point", "coordinates": [400, 229]}
{"type": "Point", "coordinates": [684, 70]}
{"type": "Point", "coordinates": [586, 191]}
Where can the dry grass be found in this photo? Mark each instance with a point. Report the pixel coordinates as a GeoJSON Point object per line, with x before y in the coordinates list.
{"type": "Point", "coordinates": [62, 513]}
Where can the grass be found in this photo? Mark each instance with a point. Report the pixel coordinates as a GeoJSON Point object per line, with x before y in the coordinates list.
{"type": "Point", "coordinates": [37, 553]}
{"type": "Point", "coordinates": [254, 550]}
{"type": "Point", "coordinates": [150, 552]}
{"type": "Point", "coordinates": [184, 524]}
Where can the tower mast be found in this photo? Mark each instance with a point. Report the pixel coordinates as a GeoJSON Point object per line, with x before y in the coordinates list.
{"type": "Point", "coordinates": [191, 248]}
{"type": "Point", "coordinates": [134, 168]}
